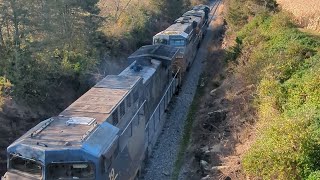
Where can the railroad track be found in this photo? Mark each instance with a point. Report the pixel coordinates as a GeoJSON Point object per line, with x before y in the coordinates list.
{"type": "Point", "coordinates": [214, 9]}
{"type": "Point", "coordinates": [161, 164]}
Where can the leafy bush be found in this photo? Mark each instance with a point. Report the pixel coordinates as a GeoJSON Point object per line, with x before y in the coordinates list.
{"type": "Point", "coordinates": [284, 64]}
{"type": "Point", "coordinates": [314, 176]}
{"type": "Point", "coordinates": [239, 12]}
{"type": "Point", "coordinates": [5, 86]}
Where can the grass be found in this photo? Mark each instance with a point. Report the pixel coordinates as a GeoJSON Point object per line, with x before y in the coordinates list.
{"type": "Point", "coordinates": [187, 130]}
{"type": "Point", "coordinates": [283, 63]}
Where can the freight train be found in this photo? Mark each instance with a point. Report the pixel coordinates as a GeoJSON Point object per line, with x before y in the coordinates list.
{"type": "Point", "coordinates": [110, 130]}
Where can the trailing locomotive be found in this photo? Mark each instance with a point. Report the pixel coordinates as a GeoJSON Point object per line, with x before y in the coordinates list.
{"type": "Point", "coordinates": [186, 34]}
{"type": "Point", "coordinates": [111, 129]}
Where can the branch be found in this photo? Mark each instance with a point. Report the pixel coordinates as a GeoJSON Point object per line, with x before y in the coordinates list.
{"type": "Point", "coordinates": [123, 10]}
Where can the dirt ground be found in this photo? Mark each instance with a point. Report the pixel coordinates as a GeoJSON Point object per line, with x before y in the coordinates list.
{"type": "Point", "coordinates": [222, 129]}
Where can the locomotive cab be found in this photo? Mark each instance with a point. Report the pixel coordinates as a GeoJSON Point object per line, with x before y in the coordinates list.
{"type": "Point", "coordinates": [23, 168]}
{"type": "Point", "coordinates": [94, 158]}
{"type": "Point", "coordinates": [176, 40]}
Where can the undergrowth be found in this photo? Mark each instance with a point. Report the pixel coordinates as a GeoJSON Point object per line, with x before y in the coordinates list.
{"type": "Point", "coordinates": [284, 65]}
{"type": "Point", "coordinates": [5, 86]}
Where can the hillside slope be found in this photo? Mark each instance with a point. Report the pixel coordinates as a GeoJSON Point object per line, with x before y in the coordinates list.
{"type": "Point", "coordinates": [259, 119]}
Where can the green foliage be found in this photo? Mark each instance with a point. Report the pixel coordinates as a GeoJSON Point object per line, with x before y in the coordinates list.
{"type": "Point", "coordinates": [172, 9]}
{"type": "Point", "coordinates": [239, 12]}
{"type": "Point", "coordinates": [314, 175]}
{"type": "Point", "coordinates": [284, 64]}
{"type": "Point", "coordinates": [235, 51]}
{"type": "Point", "coordinates": [236, 15]}
{"type": "Point", "coordinates": [5, 86]}
{"type": "Point", "coordinates": [45, 43]}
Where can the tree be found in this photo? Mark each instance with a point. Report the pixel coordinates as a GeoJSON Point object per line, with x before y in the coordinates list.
{"type": "Point", "coordinates": [172, 9]}
{"type": "Point", "coordinates": [44, 42]}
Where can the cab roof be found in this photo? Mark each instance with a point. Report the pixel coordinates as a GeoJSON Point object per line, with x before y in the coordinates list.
{"type": "Point", "coordinates": [182, 27]}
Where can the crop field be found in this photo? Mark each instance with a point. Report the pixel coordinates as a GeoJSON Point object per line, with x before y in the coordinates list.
{"type": "Point", "coordinates": [306, 12]}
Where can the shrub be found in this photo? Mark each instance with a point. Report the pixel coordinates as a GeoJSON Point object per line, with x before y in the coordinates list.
{"type": "Point", "coordinates": [5, 86]}
{"type": "Point", "coordinates": [284, 64]}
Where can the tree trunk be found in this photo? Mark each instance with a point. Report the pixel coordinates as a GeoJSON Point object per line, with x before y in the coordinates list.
{"type": "Point", "coordinates": [15, 20]}
{"type": "Point", "coordinates": [1, 37]}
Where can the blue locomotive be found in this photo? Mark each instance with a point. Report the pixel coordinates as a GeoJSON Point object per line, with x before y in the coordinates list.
{"type": "Point", "coordinates": [111, 129]}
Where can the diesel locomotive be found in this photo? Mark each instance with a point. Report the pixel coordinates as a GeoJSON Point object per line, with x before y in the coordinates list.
{"type": "Point", "coordinates": [110, 130]}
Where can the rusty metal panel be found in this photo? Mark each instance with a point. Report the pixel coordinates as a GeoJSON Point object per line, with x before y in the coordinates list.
{"type": "Point", "coordinates": [58, 133]}
{"type": "Point", "coordinates": [98, 100]}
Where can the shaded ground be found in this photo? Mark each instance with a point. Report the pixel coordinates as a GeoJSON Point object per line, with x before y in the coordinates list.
{"type": "Point", "coordinates": [221, 132]}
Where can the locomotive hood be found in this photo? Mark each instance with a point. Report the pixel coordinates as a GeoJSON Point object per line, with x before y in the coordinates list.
{"type": "Point", "coordinates": [47, 151]}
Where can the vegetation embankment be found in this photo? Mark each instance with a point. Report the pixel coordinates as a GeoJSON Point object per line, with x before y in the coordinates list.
{"type": "Point", "coordinates": [282, 63]}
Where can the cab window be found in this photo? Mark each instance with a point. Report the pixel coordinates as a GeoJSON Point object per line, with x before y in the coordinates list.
{"type": "Point", "coordinates": [177, 42]}
{"type": "Point", "coordinates": [66, 171]}
{"type": "Point", "coordinates": [25, 165]}
{"type": "Point", "coordinates": [160, 41]}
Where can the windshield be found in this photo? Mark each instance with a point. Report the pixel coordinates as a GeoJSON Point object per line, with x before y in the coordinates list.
{"type": "Point", "coordinates": [25, 165]}
{"type": "Point", "coordinates": [71, 171]}
{"type": "Point", "coordinates": [177, 42]}
{"type": "Point", "coordinates": [160, 41]}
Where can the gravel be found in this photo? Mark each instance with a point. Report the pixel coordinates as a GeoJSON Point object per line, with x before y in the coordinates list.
{"type": "Point", "coordinates": [160, 165]}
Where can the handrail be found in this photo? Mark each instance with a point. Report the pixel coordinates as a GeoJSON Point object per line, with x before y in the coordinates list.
{"type": "Point", "coordinates": [39, 130]}
{"type": "Point", "coordinates": [147, 125]}
{"type": "Point", "coordinates": [130, 122]}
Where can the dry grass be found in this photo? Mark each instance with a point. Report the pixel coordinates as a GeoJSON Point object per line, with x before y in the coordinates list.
{"type": "Point", "coordinates": [196, 2]}
{"type": "Point", "coordinates": [122, 15]}
{"type": "Point", "coordinates": [306, 12]}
